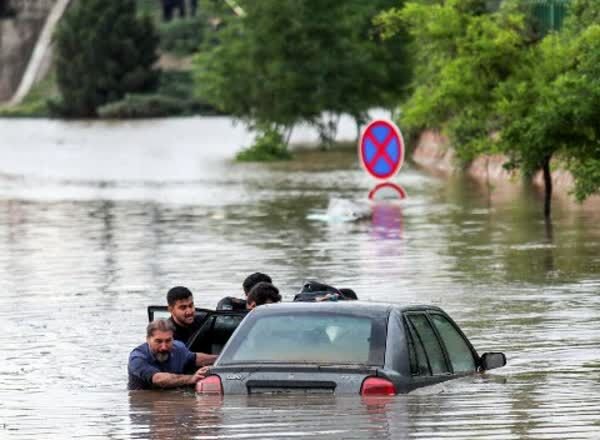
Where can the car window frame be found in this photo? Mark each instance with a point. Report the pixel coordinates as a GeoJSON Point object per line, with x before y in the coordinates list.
{"type": "Point", "coordinates": [213, 315]}
{"type": "Point", "coordinates": [165, 309]}
{"type": "Point", "coordinates": [425, 313]}
{"type": "Point", "coordinates": [461, 334]}
{"type": "Point", "coordinates": [411, 333]}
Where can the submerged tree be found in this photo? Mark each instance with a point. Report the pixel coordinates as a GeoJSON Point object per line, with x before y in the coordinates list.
{"type": "Point", "coordinates": [487, 81]}
{"type": "Point", "coordinates": [103, 51]}
{"type": "Point", "coordinates": [550, 108]}
{"type": "Point", "coordinates": [288, 61]}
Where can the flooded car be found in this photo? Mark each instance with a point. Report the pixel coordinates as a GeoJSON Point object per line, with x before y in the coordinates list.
{"type": "Point", "coordinates": [343, 348]}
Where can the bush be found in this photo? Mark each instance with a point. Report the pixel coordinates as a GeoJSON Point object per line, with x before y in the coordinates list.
{"type": "Point", "coordinates": [142, 106]}
{"type": "Point", "coordinates": [183, 36]}
{"type": "Point", "coordinates": [103, 52]}
{"type": "Point", "coordinates": [268, 146]}
{"type": "Point", "coordinates": [154, 105]}
{"type": "Point", "coordinates": [178, 84]}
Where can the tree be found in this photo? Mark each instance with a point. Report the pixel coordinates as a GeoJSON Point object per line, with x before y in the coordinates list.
{"type": "Point", "coordinates": [550, 108]}
{"type": "Point", "coordinates": [288, 61]}
{"type": "Point", "coordinates": [462, 52]}
{"type": "Point", "coordinates": [103, 51]}
{"type": "Point", "coordinates": [488, 81]}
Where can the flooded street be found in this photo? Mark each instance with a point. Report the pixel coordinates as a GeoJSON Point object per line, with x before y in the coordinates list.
{"type": "Point", "coordinates": [99, 220]}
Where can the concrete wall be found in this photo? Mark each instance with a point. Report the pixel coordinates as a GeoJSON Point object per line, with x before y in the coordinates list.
{"type": "Point", "coordinates": [18, 36]}
{"type": "Point", "coordinates": [434, 153]}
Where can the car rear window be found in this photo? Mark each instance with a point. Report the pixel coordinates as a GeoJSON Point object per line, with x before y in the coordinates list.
{"type": "Point", "coordinates": [309, 338]}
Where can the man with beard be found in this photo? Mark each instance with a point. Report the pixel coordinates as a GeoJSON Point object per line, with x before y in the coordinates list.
{"type": "Point", "coordinates": [183, 318]}
{"type": "Point", "coordinates": [163, 362]}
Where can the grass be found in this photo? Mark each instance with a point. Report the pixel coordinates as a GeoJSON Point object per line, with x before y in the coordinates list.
{"type": "Point", "coordinates": [35, 103]}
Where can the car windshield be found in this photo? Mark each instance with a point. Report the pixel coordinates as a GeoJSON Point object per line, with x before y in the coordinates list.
{"type": "Point", "coordinates": [309, 338]}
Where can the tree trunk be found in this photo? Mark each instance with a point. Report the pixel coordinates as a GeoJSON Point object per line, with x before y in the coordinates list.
{"type": "Point", "coordinates": [547, 186]}
{"type": "Point", "coordinates": [288, 135]}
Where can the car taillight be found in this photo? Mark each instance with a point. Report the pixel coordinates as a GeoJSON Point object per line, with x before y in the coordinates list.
{"type": "Point", "coordinates": [209, 385]}
{"type": "Point", "coordinates": [377, 386]}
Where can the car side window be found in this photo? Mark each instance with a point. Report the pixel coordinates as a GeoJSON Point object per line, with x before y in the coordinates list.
{"type": "Point", "coordinates": [458, 349]}
{"type": "Point", "coordinates": [419, 366]}
{"type": "Point", "coordinates": [431, 344]}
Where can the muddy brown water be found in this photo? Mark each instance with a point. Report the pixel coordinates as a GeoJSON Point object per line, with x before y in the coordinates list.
{"type": "Point", "coordinates": [98, 220]}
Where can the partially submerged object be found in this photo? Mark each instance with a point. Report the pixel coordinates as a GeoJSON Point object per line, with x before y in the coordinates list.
{"type": "Point", "coordinates": [344, 210]}
{"type": "Point", "coordinates": [348, 347]}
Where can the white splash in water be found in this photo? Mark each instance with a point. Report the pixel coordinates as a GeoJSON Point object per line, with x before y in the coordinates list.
{"type": "Point", "coordinates": [344, 210]}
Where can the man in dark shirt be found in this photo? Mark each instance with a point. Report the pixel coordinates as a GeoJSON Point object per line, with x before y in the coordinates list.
{"type": "Point", "coordinates": [183, 313]}
{"type": "Point", "coordinates": [239, 304]}
{"type": "Point", "coordinates": [162, 362]}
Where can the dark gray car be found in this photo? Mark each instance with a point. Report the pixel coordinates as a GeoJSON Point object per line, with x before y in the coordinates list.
{"type": "Point", "coordinates": [343, 348]}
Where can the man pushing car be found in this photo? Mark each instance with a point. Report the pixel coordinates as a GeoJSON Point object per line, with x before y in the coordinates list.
{"type": "Point", "coordinates": [162, 362]}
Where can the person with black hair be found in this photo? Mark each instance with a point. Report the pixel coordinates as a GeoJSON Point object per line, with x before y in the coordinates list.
{"type": "Point", "coordinates": [163, 362]}
{"type": "Point", "coordinates": [183, 313]}
{"type": "Point", "coordinates": [238, 304]}
{"type": "Point", "coordinates": [262, 293]}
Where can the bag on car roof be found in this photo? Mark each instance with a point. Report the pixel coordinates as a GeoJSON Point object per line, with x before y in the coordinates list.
{"type": "Point", "coordinates": [311, 290]}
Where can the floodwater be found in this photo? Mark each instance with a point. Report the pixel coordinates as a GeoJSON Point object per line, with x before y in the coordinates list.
{"type": "Point", "coordinates": [98, 220]}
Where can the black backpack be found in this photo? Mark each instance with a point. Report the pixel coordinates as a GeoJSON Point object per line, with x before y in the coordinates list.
{"type": "Point", "coordinates": [311, 290]}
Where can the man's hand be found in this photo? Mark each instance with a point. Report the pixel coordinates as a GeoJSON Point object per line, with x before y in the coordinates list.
{"type": "Point", "coordinates": [199, 375]}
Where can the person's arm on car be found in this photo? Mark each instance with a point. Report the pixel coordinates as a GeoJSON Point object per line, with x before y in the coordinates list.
{"type": "Point", "coordinates": [170, 380]}
{"type": "Point", "coordinates": [198, 359]}
{"type": "Point", "coordinates": [205, 359]}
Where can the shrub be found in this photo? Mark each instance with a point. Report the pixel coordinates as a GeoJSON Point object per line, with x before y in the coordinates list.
{"type": "Point", "coordinates": [182, 37]}
{"type": "Point", "coordinates": [268, 146]}
{"type": "Point", "coordinates": [153, 105]}
{"type": "Point", "coordinates": [142, 106]}
{"type": "Point", "coordinates": [103, 51]}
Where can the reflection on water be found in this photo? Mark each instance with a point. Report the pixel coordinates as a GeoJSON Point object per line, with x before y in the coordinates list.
{"type": "Point", "coordinates": [98, 220]}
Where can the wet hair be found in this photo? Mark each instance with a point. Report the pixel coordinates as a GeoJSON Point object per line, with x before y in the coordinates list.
{"type": "Point", "coordinates": [163, 325]}
{"type": "Point", "coordinates": [253, 279]}
{"type": "Point", "coordinates": [262, 293]}
{"type": "Point", "coordinates": [177, 293]}
{"type": "Point", "coordinates": [348, 293]}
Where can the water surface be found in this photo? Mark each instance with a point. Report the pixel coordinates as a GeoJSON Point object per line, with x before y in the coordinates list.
{"type": "Point", "coordinates": [98, 220]}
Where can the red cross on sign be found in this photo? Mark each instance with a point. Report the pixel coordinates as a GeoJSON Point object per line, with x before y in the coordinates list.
{"type": "Point", "coordinates": [381, 149]}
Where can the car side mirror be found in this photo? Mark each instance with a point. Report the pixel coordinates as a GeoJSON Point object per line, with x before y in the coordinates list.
{"type": "Point", "coordinates": [489, 361]}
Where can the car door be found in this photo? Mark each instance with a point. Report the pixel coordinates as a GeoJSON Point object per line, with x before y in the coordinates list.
{"type": "Point", "coordinates": [216, 327]}
{"type": "Point", "coordinates": [162, 312]}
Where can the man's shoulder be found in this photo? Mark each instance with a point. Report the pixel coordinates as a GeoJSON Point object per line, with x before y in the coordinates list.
{"type": "Point", "coordinates": [140, 352]}
{"type": "Point", "coordinates": [178, 345]}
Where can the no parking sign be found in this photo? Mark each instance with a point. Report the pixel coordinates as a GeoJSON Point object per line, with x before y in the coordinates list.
{"type": "Point", "coordinates": [381, 149]}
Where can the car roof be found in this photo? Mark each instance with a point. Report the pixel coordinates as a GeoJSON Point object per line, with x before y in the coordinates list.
{"type": "Point", "coordinates": [361, 308]}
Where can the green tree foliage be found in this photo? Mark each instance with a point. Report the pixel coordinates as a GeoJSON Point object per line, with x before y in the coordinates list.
{"type": "Point", "coordinates": [288, 61]}
{"type": "Point", "coordinates": [461, 55]}
{"type": "Point", "coordinates": [491, 85]}
{"type": "Point", "coordinates": [103, 51]}
{"type": "Point", "coordinates": [551, 106]}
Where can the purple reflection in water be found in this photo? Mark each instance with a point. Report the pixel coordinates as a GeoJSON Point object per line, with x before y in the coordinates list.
{"type": "Point", "coordinates": [387, 220]}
